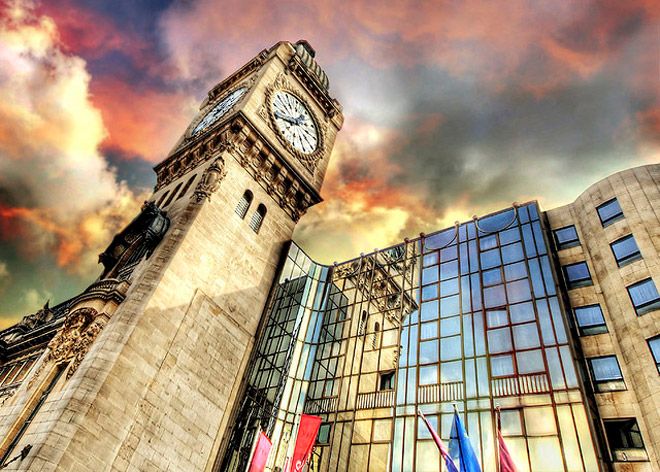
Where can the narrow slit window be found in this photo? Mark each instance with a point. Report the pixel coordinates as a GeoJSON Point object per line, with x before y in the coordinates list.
{"type": "Point", "coordinates": [172, 195]}
{"type": "Point", "coordinates": [162, 198]}
{"type": "Point", "coordinates": [654, 346]}
{"type": "Point", "coordinates": [186, 187]}
{"type": "Point", "coordinates": [244, 204]}
{"type": "Point", "coordinates": [258, 218]}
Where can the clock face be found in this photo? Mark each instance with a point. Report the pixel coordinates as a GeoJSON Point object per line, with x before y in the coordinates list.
{"type": "Point", "coordinates": [220, 109]}
{"type": "Point", "coordinates": [294, 121]}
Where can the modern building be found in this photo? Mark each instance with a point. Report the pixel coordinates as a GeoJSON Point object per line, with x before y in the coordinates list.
{"type": "Point", "coordinates": [207, 324]}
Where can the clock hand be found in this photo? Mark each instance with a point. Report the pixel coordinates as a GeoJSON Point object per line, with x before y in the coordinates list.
{"type": "Point", "coordinates": [285, 118]}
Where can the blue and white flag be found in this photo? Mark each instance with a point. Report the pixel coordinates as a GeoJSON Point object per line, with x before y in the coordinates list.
{"type": "Point", "coordinates": [460, 448]}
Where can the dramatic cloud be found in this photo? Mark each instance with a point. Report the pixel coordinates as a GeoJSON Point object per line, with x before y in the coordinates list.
{"type": "Point", "coordinates": [57, 194]}
{"type": "Point", "coordinates": [452, 109]}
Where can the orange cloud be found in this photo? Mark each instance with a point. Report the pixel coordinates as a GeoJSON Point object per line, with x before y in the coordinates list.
{"type": "Point", "coordinates": [142, 122]}
{"type": "Point", "coordinates": [58, 194]}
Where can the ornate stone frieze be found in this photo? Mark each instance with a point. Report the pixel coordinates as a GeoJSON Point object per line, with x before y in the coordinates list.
{"type": "Point", "coordinates": [377, 282]}
{"type": "Point", "coordinates": [210, 181]}
{"type": "Point", "coordinates": [72, 341]}
{"type": "Point", "coordinates": [240, 141]}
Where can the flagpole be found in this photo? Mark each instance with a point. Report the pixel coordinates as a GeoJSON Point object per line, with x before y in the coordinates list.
{"type": "Point", "coordinates": [460, 443]}
{"type": "Point", "coordinates": [498, 426]}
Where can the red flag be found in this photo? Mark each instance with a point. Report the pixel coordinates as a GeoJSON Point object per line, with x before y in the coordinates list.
{"type": "Point", "coordinates": [449, 462]}
{"type": "Point", "coordinates": [506, 461]}
{"type": "Point", "coordinates": [260, 455]}
{"type": "Point", "coordinates": [307, 431]}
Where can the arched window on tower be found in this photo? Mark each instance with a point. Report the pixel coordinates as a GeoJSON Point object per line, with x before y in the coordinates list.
{"type": "Point", "coordinates": [363, 323]}
{"type": "Point", "coordinates": [244, 204]}
{"type": "Point", "coordinates": [258, 218]}
{"type": "Point", "coordinates": [376, 340]}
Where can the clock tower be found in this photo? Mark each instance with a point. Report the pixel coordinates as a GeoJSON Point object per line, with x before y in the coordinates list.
{"type": "Point", "coordinates": [156, 387]}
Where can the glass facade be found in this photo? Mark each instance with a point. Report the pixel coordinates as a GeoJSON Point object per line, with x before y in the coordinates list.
{"type": "Point", "coordinates": [468, 317]}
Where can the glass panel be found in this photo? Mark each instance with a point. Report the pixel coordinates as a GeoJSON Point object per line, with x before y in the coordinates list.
{"type": "Point", "coordinates": [497, 318]}
{"type": "Point", "coordinates": [501, 366]}
{"type": "Point", "coordinates": [429, 292]}
{"type": "Point", "coordinates": [429, 330]}
{"type": "Point", "coordinates": [512, 253]}
{"type": "Point", "coordinates": [545, 454]}
{"type": "Point", "coordinates": [577, 272]}
{"type": "Point", "coordinates": [609, 212]}
{"type": "Point", "coordinates": [625, 250]}
{"type": "Point", "coordinates": [448, 270]}
{"type": "Point", "coordinates": [494, 296]}
{"type": "Point", "coordinates": [526, 336]}
{"type": "Point", "coordinates": [644, 296]}
{"type": "Point", "coordinates": [490, 259]}
{"type": "Point", "coordinates": [450, 348]}
{"type": "Point", "coordinates": [540, 421]}
{"type": "Point", "coordinates": [451, 372]}
{"type": "Point", "coordinates": [654, 345]}
{"type": "Point", "coordinates": [497, 222]}
{"type": "Point", "coordinates": [566, 237]}
{"type": "Point", "coordinates": [605, 368]}
{"type": "Point", "coordinates": [515, 271]}
{"type": "Point", "coordinates": [428, 352]}
{"type": "Point", "coordinates": [511, 423]}
{"type": "Point", "coordinates": [492, 277]}
{"type": "Point", "coordinates": [450, 326]}
{"type": "Point", "coordinates": [499, 340]}
{"type": "Point", "coordinates": [440, 240]}
{"type": "Point", "coordinates": [450, 306]}
{"type": "Point", "coordinates": [522, 312]}
{"type": "Point", "coordinates": [590, 319]}
{"type": "Point", "coordinates": [518, 291]}
{"type": "Point", "coordinates": [428, 375]}
{"type": "Point", "coordinates": [530, 362]}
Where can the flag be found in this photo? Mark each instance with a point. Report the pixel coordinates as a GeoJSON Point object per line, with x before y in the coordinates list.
{"type": "Point", "coordinates": [460, 448]}
{"type": "Point", "coordinates": [307, 431]}
{"type": "Point", "coordinates": [260, 455]}
{"type": "Point", "coordinates": [451, 467]}
{"type": "Point", "coordinates": [506, 461]}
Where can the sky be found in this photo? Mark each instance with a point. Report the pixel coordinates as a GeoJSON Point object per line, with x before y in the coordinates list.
{"type": "Point", "coordinates": [452, 108]}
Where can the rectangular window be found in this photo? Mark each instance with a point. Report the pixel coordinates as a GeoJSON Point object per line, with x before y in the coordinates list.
{"type": "Point", "coordinates": [644, 296]}
{"type": "Point", "coordinates": [625, 440]}
{"type": "Point", "coordinates": [654, 345]}
{"type": "Point", "coordinates": [625, 250]}
{"type": "Point", "coordinates": [609, 212]}
{"type": "Point", "coordinates": [606, 374]}
{"type": "Point", "coordinates": [577, 275]}
{"type": "Point", "coordinates": [590, 320]}
{"type": "Point", "coordinates": [386, 381]}
{"type": "Point", "coordinates": [566, 237]}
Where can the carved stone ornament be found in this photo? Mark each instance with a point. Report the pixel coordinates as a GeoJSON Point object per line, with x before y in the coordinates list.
{"type": "Point", "coordinates": [73, 340]}
{"type": "Point", "coordinates": [311, 160]}
{"type": "Point", "coordinates": [43, 316]}
{"type": "Point", "coordinates": [210, 181]}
